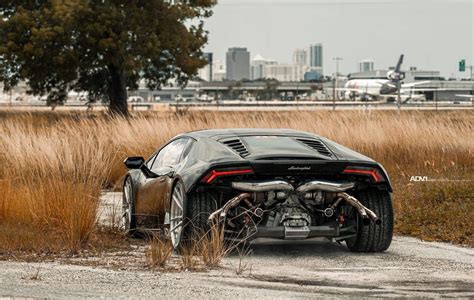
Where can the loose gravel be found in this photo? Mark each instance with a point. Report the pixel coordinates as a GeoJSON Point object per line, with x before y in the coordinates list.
{"type": "Point", "coordinates": [273, 269]}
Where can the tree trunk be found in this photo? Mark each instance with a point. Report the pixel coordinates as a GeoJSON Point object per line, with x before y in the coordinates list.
{"type": "Point", "coordinates": [118, 92]}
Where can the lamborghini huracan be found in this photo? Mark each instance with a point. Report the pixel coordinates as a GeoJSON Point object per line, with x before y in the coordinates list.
{"type": "Point", "coordinates": [260, 183]}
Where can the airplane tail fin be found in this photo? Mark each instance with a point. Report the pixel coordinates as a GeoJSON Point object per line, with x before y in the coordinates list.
{"type": "Point", "coordinates": [399, 64]}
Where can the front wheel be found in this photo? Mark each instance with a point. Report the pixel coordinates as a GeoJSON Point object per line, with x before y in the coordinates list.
{"type": "Point", "coordinates": [372, 237]}
{"type": "Point", "coordinates": [128, 207]}
{"type": "Point", "coordinates": [177, 209]}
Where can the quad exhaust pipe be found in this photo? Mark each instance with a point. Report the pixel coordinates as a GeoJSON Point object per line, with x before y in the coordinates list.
{"type": "Point", "coordinates": [281, 185]}
{"type": "Point", "coordinates": [363, 211]}
{"type": "Point", "coordinates": [325, 186]}
{"type": "Point", "coordinates": [339, 188]}
{"type": "Point", "coordinates": [217, 216]}
{"type": "Point", "coordinates": [263, 186]}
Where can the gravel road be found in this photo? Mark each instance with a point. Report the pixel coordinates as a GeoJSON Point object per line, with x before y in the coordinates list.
{"type": "Point", "coordinates": [282, 269]}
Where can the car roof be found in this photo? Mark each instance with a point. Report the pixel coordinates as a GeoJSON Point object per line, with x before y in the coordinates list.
{"type": "Point", "coordinates": [227, 132]}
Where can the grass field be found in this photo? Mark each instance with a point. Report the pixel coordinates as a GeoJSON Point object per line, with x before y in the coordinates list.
{"type": "Point", "coordinates": [53, 166]}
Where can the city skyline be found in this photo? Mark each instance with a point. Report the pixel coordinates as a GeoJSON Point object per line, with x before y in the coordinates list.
{"type": "Point", "coordinates": [429, 33]}
{"type": "Point", "coordinates": [301, 58]}
{"type": "Point", "coordinates": [240, 65]}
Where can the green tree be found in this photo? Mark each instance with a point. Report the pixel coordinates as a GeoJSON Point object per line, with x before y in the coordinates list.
{"type": "Point", "coordinates": [103, 47]}
{"type": "Point", "coordinates": [271, 88]}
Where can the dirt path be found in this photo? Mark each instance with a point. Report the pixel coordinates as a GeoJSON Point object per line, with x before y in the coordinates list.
{"type": "Point", "coordinates": [274, 270]}
{"type": "Point", "coordinates": [303, 270]}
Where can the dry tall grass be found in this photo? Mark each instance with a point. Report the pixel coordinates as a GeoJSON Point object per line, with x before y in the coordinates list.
{"type": "Point", "coordinates": [54, 165]}
{"type": "Point", "coordinates": [52, 179]}
{"type": "Point", "coordinates": [205, 249]}
{"type": "Point", "coordinates": [212, 247]}
{"type": "Point", "coordinates": [159, 252]}
{"type": "Point", "coordinates": [189, 257]}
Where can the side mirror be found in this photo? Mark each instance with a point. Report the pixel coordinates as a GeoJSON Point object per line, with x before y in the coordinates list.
{"type": "Point", "coordinates": [134, 162]}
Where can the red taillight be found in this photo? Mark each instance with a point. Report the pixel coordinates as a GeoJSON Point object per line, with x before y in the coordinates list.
{"type": "Point", "coordinates": [218, 173]}
{"type": "Point", "coordinates": [374, 173]}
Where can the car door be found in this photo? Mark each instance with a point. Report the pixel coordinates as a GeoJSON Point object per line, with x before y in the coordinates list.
{"type": "Point", "coordinates": [153, 192]}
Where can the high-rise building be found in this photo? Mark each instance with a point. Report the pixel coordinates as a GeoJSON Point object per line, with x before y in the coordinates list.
{"type": "Point", "coordinates": [237, 64]}
{"type": "Point", "coordinates": [316, 57]}
{"type": "Point", "coordinates": [366, 65]}
{"type": "Point", "coordinates": [205, 73]}
{"type": "Point", "coordinates": [218, 70]}
{"type": "Point", "coordinates": [257, 67]}
{"type": "Point", "coordinates": [285, 72]}
{"type": "Point", "coordinates": [312, 75]}
{"type": "Point", "coordinates": [300, 57]}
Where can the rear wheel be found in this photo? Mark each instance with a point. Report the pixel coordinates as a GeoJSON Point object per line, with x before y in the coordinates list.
{"type": "Point", "coordinates": [372, 237]}
{"type": "Point", "coordinates": [198, 210]}
{"type": "Point", "coordinates": [188, 217]}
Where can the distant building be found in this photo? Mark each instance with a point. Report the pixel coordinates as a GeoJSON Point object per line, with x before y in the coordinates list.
{"type": "Point", "coordinates": [316, 57]}
{"type": "Point", "coordinates": [366, 65]}
{"type": "Point", "coordinates": [237, 64]}
{"type": "Point", "coordinates": [312, 75]}
{"type": "Point", "coordinates": [205, 73]}
{"type": "Point", "coordinates": [218, 70]}
{"type": "Point", "coordinates": [300, 57]}
{"type": "Point", "coordinates": [257, 67]}
{"type": "Point", "coordinates": [285, 72]}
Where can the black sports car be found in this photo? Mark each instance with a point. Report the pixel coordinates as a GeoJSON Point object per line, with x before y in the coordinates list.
{"type": "Point", "coordinates": [273, 183]}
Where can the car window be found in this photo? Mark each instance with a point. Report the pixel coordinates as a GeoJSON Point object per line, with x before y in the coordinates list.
{"type": "Point", "coordinates": [170, 155]}
{"type": "Point", "coordinates": [151, 160]}
{"type": "Point", "coordinates": [188, 148]}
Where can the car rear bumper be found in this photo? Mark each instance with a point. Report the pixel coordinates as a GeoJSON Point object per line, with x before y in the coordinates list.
{"type": "Point", "coordinates": [299, 233]}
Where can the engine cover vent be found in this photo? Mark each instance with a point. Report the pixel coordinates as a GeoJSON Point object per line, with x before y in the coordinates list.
{"type": "Point", "coordinates": [237, 145]}
{"type": "Point", "coordinates": [316, 145]}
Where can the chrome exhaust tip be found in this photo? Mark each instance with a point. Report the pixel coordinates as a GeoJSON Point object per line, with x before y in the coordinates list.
{"type": "Point", "coordinates": [263, 186]}
{"type": "Point", "coordinates": [325, 186]}
{"type": "Point", "coordinates": [363, 211]}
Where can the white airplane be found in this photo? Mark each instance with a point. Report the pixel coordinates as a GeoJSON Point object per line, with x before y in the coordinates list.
{"type": "Point", "coordinates": [375, 89]}
{"type": "Point", "coordinates": [465, 96]}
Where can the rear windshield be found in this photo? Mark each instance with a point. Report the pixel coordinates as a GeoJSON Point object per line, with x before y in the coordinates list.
{"type": "Point", "coordinates": [264, 143]}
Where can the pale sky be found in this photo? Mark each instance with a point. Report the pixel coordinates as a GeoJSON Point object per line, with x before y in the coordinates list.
{"type": "Point", "coordinates": [433, 34]}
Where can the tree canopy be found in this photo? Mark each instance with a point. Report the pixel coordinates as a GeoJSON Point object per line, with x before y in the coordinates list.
{"type": "Point", "coordinates": [103, 47]}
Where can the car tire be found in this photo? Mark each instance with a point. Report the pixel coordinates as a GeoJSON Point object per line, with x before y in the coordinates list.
{"type": "Point", "coordinates": [178, 205]}
{"type": "Point", "coordinates": [129, 219]}
{"type": "Point", "coordinates": [372, 237]}
{"type": "Point", "coordinates": [198, 209]}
